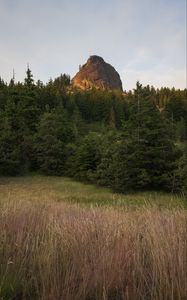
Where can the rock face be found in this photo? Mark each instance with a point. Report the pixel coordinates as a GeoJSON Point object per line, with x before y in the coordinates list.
{"type": "Point", "coordinates": [98, 74]}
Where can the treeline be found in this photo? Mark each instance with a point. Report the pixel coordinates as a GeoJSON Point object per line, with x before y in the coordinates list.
{"type": "Point", "coordinates": [129, 141]}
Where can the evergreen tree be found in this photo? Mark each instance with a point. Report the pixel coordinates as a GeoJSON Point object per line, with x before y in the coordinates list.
{"type": "Point", "coordinates": [181, 172]}
{"type": "Point", "coordinates": [88, 157]}
{"type": "Point", "coordinates": [147, 157]}
{"type": "Point", "coordinates": [108, 147]}
{"type": "Point", "coordinates": [12, 160]}
{"type": "Point", "coordinates": [58, 130]}
{"type": "Point", "coordinates": [54, 133]}
{"type": "Point", "coordinates": [29, 81]}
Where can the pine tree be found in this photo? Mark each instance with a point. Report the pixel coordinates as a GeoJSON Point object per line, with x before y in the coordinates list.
{"type": "Point", "coordinates": [88, 157]}
{"type": "Point", "coordinates": [147, 155]}
{"type": "Point", "coordinates": [108, 147]}
{"type": "Point", "coordinates": [29, 81]}
{"type": "Point", "coordinates": [54, 133]}
{"type": "Point", "coordinates": [12, 161]}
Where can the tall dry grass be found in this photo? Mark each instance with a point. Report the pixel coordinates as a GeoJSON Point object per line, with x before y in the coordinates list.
{"type": "Point", "coordinates": [55, 251]}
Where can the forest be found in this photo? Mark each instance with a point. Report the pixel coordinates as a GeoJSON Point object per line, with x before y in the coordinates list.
{"type": "Point", "coordinates": [135, 140]}
{"type": "Point", "coordinates": [93, 187]}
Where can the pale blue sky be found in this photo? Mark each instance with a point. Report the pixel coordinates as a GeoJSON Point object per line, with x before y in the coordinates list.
{"type": "Point", "coordinates": [143, 39]}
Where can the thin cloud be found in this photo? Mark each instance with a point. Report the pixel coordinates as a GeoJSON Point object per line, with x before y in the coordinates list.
{"type": "Point", "coordinates": [143, 39]}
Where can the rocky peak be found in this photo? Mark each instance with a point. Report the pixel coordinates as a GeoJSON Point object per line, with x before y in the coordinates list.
{"type": "Point", "coordinates": [95, 59]}
{"type": "Point", "coordinates": [98, 74]}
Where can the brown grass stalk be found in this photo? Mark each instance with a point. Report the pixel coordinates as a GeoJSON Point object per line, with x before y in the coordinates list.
{"type": "Point", "coordinates": [57, 251]}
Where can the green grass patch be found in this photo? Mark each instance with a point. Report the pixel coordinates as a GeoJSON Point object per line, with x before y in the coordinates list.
{"type": "Point", "coordinates": [66, 190]}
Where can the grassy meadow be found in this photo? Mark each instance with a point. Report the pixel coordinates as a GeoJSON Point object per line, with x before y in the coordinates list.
{"type": "Point", "coordinates": [64, 240]}
{"type": "Point", "coordinates": [60, 189]}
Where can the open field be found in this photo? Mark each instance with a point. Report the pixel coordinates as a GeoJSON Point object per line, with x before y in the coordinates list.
{"type": "Point", "coordinates": [60, 189]}
{"type": "Point", "coordinates": [53, 248]}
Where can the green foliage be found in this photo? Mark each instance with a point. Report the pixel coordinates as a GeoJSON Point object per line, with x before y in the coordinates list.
{"type": "Point", "coordinates": [29, 81]}
{"type": "Point", "coordinates": [108, 148]}
{"type": "Point", "coordinates": [102, 106]}
{"type": "Point", "coordinates": [61, 83]}
{"type": "Point", "coordinates": [146, 156]}
{"type": "Point", "coordinates": [121, 140]}
{"type": "Point", "coordinates": [54, 133]}
{"type": "Point", "coordinates": [87, 157]}
{"type": "Point", "coordinates": [11, 162]}
{"type": "Point", "coordinates": [11, 157]}
{"type": "Point", "coordinates": [181, 173]}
